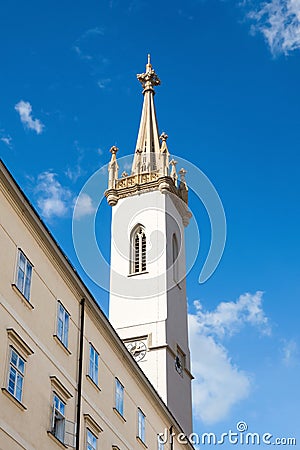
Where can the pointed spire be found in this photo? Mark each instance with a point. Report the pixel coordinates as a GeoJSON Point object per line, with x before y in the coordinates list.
{"type": "Point", "coordinates": [147, 156]}
{"type": "Point", "coordinates": [151, 168]}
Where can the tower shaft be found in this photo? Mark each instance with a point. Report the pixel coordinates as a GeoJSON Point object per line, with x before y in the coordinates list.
{"type": "Point", "coordinates": [148, 304]}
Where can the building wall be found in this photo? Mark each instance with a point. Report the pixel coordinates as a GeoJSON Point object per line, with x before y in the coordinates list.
{"type": "Point", "coordinates": [152, 304]}
{"type": "Point", "coordinates": [30, 327]}
{"type": "Point", "coordinates": [35, 323]}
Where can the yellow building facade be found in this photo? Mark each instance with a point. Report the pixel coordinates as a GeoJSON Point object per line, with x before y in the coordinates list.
{"type": "Point", "coordinates": [61, 362]}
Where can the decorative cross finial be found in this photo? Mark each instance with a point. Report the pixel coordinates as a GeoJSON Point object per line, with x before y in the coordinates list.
{"type": "Point", "coordinates": [149, 78]}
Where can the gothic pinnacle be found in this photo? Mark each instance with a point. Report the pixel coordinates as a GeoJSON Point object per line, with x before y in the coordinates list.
{"type": "Point", "coordinates": [149, 79]}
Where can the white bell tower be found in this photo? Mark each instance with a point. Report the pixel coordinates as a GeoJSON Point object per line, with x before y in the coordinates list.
{"type": "Point", "coordinates": [148, 306]}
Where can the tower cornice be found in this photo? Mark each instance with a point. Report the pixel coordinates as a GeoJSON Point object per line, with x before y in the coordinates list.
{"type": "Point", "coordinates": [148, 182]}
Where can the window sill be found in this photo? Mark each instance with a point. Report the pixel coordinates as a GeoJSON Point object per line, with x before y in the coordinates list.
{"type": "Point", "coordinates": [22, 297]}
{"type": "Point", "coordinates": [55, 439]}
{"type": "Point", "coordinates": [93, 382]}
{"type": "Point", "coordinates": [141, 442]}
{"type": "Point", "coordinates": [14, 400]}
{"type": "Point", "coordinates": [119, 414]}
{"type": "Point", "coordinates": [62, 345]}
{"type": "Point", "coordinates": [137, 273]}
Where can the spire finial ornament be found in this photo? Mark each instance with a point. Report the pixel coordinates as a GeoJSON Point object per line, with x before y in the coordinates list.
{"type": "Point", "coordinates": [182, 173]}
{"type": "Point", "coordinates": [113, 168]}
{"type": "Point", "coordinates": [183, 186]}
{"type": "Point", "coordinates": [113, 150]}
{"type": "Point", "coordinates": [149, 66]}
{"type": "Point", "coordinates": [163, 136]}
{"type": "Point", "coordinates": [149, 79]}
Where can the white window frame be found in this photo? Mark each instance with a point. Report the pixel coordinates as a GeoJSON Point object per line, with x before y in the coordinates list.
{"type": "Point", "coordinates": [160, 443]}
{"type": "Point", "coordinates": [93, 364]}
{"type": "Point", "coordinates": [119, 396]}
{"type": "Point", "coordinates": [141, 425]}
{"type": "Point", "coordinates": [58, 423]}
{"type": "Point", "coordinates": [90, 436]}
{"type": "Point", "coordinates": [138, 250]}
{"type": "Point", "coordinates": [16, 373]}
{"type": "Point", "coordinates": [23, 274]}
{"type": "Point", "coordinates": [62, 331]}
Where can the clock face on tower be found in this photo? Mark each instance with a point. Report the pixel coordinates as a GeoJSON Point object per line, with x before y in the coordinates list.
{"type": "Point", "coordinates": [138, 349]}
{"type": "Point", "coordinates": [178, 365]}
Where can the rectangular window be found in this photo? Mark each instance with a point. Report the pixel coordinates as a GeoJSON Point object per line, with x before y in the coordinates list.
{"type": "Point", "coordinates": [141, 425]}
{"type": "Point", "coordinates": [58, 418]}
{"type": "Point", "coordinates": [23, 275]}
{"type": "Point", "coordinates": [119, 397]}
{"type": "Point", "coordinates": [91, 441]}
{"type": "Point", "coordinates": [16, 375]}
{"type": "Point", "coordinates": [62, 324]}
{"type": "Point", "coordinates": [93, 366]}
{"type": "Point", "coordinates": [161, 444]}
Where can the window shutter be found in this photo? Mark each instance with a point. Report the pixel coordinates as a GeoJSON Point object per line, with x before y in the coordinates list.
{"type": "Point", "coordinates": [52, 425]}
{"type": "Point", "coordinates": [70, 434]}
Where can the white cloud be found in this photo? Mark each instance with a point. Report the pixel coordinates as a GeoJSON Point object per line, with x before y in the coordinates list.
{"type": "Point", "coordinates": [102, 84]}
{"type": "Point", "coordinates": [81, 44]}
{"type": "Point", "coordinates": [7, 140]}
{"type": "Point", "coordinates": [77, 171]}
{"type": "Point", "coordinates": [25, 110]}
{"type": "Point", "coordinates": [56, 200]}
{"type": "Point", "coordinates": [290, 352]}
{"type": "Point", "coordinates": [229, 317]}
{"type": "Point", "coordinates": [219, 384]}
{"type": "Point", "coordinates": [84, 206]}
{"type": "Point", "coordinates": [74, 173]}
{"type": "Point", "coordinates": [53, 198]}
{"type": "Point", "coordinates": [279, 22]}
{"type": "Point", "coordinates": [81, 54]}
{"type": "Point", "coordinates": [93, 32]}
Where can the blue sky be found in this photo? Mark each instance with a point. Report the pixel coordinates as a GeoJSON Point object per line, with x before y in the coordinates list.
{"type": "Point", "coordinates": [229, 101]}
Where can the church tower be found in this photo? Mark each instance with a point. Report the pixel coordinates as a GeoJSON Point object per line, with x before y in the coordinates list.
{"type": "Point", "coordinates": [148, 305]}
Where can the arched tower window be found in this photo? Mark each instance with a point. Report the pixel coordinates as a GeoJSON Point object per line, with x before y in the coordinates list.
{"type": "Point", "coordinates": [138, 250]}
{"type": "Point", "coordinates": [175, 252]}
